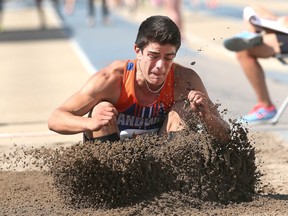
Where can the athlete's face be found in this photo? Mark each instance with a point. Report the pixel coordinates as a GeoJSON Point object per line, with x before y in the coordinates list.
{"type": "Point", "coordinates": [155, 61]}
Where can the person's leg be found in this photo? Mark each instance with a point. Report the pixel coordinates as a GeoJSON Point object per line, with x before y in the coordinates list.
{"type": "Point", "coordinates": [248, 59]}
{"type": "Point", "coordinates": [1, 13]}
{"type": "Point", "coordinates": [107, 133]}
{"type": "Point", "coordinates": [255, 75]}
{"type": "Point", "coordinates": [253, 70]}
{"type": "Point", "coordinates": [173, 8]}
{"type": "Point", "coordinates": [91, 13]}
{"type": "Point", "coordinates": [105, 12]}
{"type": "Point", "coordinates": [56, 5]}
{"type": "Point", "coordinates": [69, 6]}
{"type": "Point", "coordinates": [41, 13]}
{"type": "Point", "coordinates": [91, 9]}
{"type": "Point", "coordinates": [212, 4]}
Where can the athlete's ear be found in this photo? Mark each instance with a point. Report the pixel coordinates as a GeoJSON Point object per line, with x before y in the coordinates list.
{"type": "Point", "coordinates": [137, 51]}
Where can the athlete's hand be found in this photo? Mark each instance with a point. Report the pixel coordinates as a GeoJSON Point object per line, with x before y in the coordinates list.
{"type": "Point", "coordinates": [103, 114]}
{"type": "Point", "coordinates": [198, 102]}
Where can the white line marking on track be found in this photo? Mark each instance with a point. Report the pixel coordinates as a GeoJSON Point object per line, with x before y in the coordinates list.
{"type": "Point", "coordinates": [82, 56]}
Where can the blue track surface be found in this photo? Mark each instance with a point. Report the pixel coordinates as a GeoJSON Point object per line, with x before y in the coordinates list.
{"type": "Point", "coordinates": [104, 43]}
{"type": "Point", "coordinates": [101, 43]}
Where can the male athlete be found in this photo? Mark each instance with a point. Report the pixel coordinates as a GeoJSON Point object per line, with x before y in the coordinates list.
{"type": "Point", "coordinates": [145, 95]}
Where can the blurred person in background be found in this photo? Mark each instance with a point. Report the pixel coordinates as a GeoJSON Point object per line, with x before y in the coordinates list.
{"type": "Point", "coordinates": [173, 9]}
{"type": "Point", "coordinates": [70, 7]}
{"type": "Point", "coordinates": [251, 44]}
{"type": "Point", "coordinates": [1, 14]}
{"type": "Point", "coordinates": [132, 5]}
{"type": "Point", "coordinates": [211, 4]}
{"type": "Point", "coordinates": [39, 5]}
{"type": "Point", "coordinates": [104, 12]}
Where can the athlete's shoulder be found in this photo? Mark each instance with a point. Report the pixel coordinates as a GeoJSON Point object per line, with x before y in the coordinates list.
{"type": "Point", "coordinates": [186, 79]}
{"type": "Point", "coordinates": [181, 72]}
{"type": "Point", "coordinates": [113, 70]}
{"type": "Point", "coordinates": [117, 66]}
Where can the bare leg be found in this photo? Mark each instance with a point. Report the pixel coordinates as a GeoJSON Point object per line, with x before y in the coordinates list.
{"type": "Point", "coordinates": [248, 58]}
{"type": "Point", "coordinates": [212, 4]}
{"type": "Point", "coordinates": [69, 6]}
{"type": "Point", "coordinates": [255, 75]}
{"type": "Point", "coordinates": [248, 51]}
{"type": "Point", "coordinates": [253, 70]}
{"type": "Point", "coordinates": [173, 8]}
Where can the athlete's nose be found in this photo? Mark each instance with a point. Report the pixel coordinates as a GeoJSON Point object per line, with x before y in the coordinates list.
{"type": "Point", "coordinates": [159, 63]}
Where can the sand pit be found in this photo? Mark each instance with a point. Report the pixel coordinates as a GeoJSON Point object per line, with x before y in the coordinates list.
{"type": "Point", "coordinates": [187, 174]}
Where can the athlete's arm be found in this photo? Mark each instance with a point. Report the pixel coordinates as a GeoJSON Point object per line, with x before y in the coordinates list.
{"type": "Point", "coordinates": [200, 103]}
{"type": "Point", "coordinates": [105, 85]}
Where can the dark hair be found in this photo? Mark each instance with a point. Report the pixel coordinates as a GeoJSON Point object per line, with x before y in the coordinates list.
{"type": "Point", "coordinates": [158, 29]}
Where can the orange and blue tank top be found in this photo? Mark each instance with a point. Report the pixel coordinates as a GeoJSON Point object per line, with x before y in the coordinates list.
{"type": "Point", "coordinates": [133, 118]}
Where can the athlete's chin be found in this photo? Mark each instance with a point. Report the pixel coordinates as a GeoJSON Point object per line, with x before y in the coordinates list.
{"type": "Point", "coordinates": [156, 82]}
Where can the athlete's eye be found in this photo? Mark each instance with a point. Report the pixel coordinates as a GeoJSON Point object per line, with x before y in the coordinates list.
{"type": "Point", "coordinates": [153, 56]}
{"type": "Point", "coordinates": [169, 57]}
